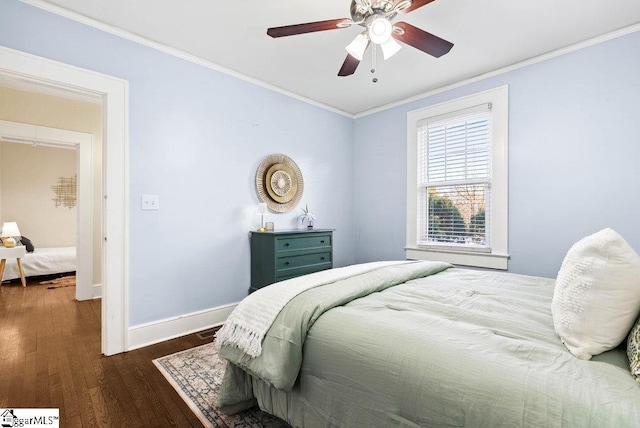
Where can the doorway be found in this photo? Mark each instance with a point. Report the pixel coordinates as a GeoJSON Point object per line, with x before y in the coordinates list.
{"type": "Point", "coordinates": [82, 143]}
{"type": "Point", "coordinates": [113, 94]}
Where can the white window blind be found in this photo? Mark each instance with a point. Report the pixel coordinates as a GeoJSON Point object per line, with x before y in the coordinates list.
{"type": "Point", "coordinates": [454, 179]}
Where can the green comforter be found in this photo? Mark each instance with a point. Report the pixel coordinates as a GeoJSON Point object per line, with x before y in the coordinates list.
{"type": "Point", "coordinates": [458, 348]}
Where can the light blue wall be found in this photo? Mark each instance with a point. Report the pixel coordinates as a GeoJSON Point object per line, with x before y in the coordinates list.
{"type": "Point", "coordinates": [574, 157]}
{"type": "Point", "coordinates": [196, 139]}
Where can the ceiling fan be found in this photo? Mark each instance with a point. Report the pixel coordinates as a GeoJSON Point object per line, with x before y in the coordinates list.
{"type": "Point", "coordinates": [375, 16]}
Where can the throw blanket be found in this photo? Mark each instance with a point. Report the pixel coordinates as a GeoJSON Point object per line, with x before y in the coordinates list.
{"type": "Point", "coordinates": [281, 358]}
{"type": "Point", "coordinates": [248, 323]}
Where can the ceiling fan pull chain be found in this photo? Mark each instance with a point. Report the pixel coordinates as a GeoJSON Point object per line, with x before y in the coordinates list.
{"type": "Point", "coordinates": [374, 48]}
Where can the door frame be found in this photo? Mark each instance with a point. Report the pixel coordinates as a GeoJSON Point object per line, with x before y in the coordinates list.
{"type": "Point", "coordinates": [115, 255]}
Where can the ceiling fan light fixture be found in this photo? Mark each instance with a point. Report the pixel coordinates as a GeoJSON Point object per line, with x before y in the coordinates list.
{"type": "Point", "coordinates": [357, 47]}
{"type": "Point", "coordinates": [379, 30]}
{"type": "Point", "coordinates": [390, 48]}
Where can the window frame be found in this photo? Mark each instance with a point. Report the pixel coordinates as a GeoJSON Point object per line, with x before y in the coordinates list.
{"type": "Point", "coordinates": [497, 257]}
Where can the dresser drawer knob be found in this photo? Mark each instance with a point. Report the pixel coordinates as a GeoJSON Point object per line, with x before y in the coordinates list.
{"type": "Point", "coordinates": [286, 244]}
{"type": "Point", "coordinates": [322, 242]}
{"type": "Point", "coordinates": [286, 263]}
{"type": "Point", "coordinates": [322, 258]}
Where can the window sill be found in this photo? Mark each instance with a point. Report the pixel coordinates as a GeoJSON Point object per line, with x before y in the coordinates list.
{"type": "Point", "coordinates": [476, 259]}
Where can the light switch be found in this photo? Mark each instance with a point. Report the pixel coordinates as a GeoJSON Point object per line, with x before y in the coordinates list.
{"type": "Point", "coordinates": [150, 202]}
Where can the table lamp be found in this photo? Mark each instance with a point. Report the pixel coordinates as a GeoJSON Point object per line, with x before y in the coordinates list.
{"type": "Point", "coordinates": [262, 211]}
{"type": "Point", "coordinates": [9, 232]}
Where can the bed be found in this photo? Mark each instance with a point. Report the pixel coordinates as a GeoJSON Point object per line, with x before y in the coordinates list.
{"type": "Point", "coordinates": [43, 261]}
{"type": "Point", "coordinates": [422, 344]}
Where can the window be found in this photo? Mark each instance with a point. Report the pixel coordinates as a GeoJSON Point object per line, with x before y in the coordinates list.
{"type": "Point", "coordinates": [457, 181]}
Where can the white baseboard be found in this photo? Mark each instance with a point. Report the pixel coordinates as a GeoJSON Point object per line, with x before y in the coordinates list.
{"type": "Point", "coordinates": [158, 331]}
{"type": "Point", "coordinates": [97, 291]}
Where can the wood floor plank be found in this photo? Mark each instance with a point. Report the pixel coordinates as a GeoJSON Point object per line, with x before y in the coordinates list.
{"type": "Point", "coordinates": [17, 388]}
{"type": "Point", "coordinates": [30, 380]}
{"type": "Point", "coordinates": [87, 415]}
{"type": "Point", "coordinates": [173, 413]}
{"type": "Point", "coordinates": [70, 389]}
{"type": "Point", "coordinates": [102, 416]}
{"type": "Point", "coordinates": [119, 392]}
{"type": "Point", "coordinates": [144, 403]}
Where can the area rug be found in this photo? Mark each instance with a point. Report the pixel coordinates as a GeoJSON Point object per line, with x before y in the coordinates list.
{"type": "Point", "coordinates": [196, 374]}
{"type": "Point", "coordinates": [65, 281]}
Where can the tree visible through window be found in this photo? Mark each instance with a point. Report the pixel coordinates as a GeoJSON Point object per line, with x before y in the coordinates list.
{"type": "Point", "coordinates": [446, 222]}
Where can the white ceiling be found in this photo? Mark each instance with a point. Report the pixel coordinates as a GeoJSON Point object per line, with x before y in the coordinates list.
{"type": "Point", "coordinates": [488, 35]}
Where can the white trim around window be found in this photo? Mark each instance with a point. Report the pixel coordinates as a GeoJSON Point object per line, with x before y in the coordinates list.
{"type": "Point", "coordinates": [497, 256]}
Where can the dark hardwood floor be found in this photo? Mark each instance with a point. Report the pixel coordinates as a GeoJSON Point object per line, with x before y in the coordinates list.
{"type": "Point", "coordinates": [50, 357]}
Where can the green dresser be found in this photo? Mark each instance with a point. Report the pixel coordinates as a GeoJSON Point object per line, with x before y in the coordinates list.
{"type": "Point", "coordinates": [280, 255]}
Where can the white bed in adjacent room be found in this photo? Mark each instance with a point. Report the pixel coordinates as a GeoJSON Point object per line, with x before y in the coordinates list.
{"type": "Point", "coordinates": [43, 261]}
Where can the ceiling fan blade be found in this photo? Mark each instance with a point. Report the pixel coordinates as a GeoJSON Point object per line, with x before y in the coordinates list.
{"type": "Point", "coordinates": [309, 27]}
{"type": "Point", "coordinates": [420, 39]}
{"type": "Point", "coordinates": [349, 66]}
{"type": "Point", "coordinates": [416, 4]}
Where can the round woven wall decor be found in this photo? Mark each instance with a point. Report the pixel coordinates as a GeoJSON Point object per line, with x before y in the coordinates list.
{"type": "Point", "coordinates": [279, 183]}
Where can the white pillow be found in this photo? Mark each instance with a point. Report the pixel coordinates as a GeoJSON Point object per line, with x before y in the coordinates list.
{"type": "Point", "coordinates": [597, 294]}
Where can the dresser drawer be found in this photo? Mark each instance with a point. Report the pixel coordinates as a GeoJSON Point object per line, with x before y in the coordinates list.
{"type": "Point", "coordinates": [290, 267]}
{"type": "Point", "coordinates": [303, 242]}
{"type": "Point", "coordinates": [296, 261]}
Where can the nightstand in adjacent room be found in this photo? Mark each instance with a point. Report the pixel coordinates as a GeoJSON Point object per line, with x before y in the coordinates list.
{"type": "Point", "coordinates": [286, 254]}
{"type": "Point", "coordinates": [17, 253]}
